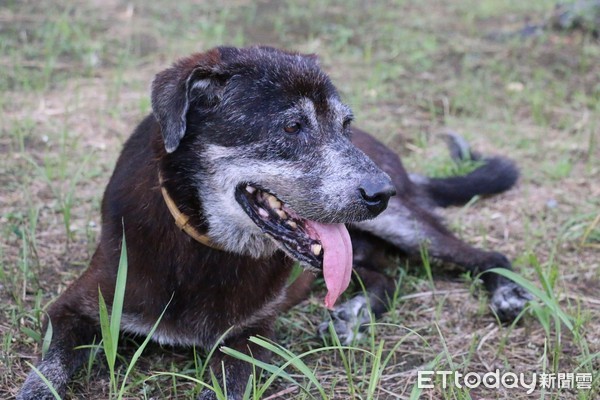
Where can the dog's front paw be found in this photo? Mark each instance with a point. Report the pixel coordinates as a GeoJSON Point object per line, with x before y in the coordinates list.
{"type": "Point", "coordinates": [349, 320]}
{"type": "Point", "coordinates": [35, 388]}
{"type": "Point", "coordinates": [509, 300]}
{"type": "Point", "coordinates": [207, 394]}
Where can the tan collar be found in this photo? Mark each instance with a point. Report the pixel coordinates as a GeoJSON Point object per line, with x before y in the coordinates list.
{"type": "Point", "coordinates": [182, 220]}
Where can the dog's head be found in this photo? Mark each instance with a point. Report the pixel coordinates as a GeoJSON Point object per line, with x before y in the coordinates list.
{"type": "Point", "coordinates": [271, 143]}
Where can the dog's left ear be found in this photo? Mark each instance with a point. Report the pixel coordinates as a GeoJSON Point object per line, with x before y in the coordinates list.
{"type": "Point", "coordinates": [199, 77]}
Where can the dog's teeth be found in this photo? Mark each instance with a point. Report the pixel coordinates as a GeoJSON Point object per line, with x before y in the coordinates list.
{"type": "Point", "coordinates": [263, 213]}
{"type": "Point", "coordinates": [273, 202]}
{"type": "Point", "coordinates": [292, 224]}
{"type": "Point", "coordinates": [282, 214]}
{"type": "Point", "coordinates": [316, 248]}
{"type": "Point", "coordinates": [250, 189]}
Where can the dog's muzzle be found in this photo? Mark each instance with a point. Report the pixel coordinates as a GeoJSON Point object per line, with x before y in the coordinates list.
{"type": "Point", "coordinates": [318, 246]}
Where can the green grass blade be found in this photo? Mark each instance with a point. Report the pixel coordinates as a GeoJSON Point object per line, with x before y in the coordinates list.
{"type": "Point", "coordinates": [182, 376]}
{"type": "Point", "coordinates": [35, 335]}
{"type": "Point", "coordinates": [588, 360]}
{"type": "Point", "coordinates": [213, 349]}
{"type": "Point", "coordinates": [415, 393]}
{"type": "Point", "coordinates": [376, 370]}
{"type": "Point", "coordinates": [551, 303]}
{"type": "Point", "coordinates": [110, 325]}
{"type": "Point", "coordinates": [140, 349]}
{"type": "Point", "coordinates": [275, 371]}
{"type": "Point", "coordinates": [119, 296]}
{"type": "Point", "coordinates": [110, 350]}
{"type": "Point", "coordinates": [424, 252]}
{"type": "Point", "coordinates": [343, 356]}
{"type": "Point", "coordinates": [249, 386]}
{"type": "Point", "coordinates": [294, 360]}
{"type": "Point", "coordinates": [260, 364]}
{"type": "Point", "coordinates": [217, 386]}
{"type": "Point", "coordinates": [45, 380]}
{"type": "Point", "coordinates": [47, 338]}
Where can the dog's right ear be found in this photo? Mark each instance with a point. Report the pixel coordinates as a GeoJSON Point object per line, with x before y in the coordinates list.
{"type": "Point", "coordinates": [198, 77]}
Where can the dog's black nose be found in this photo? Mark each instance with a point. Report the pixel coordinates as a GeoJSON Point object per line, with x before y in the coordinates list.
{"type": "Point", "coordinates": [376, 194]}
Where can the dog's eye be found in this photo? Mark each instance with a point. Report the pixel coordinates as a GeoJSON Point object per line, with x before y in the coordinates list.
{"type": "Point", "coordinates": [346, 123]}
{"type": "Point", "coordinates": [292, 128]}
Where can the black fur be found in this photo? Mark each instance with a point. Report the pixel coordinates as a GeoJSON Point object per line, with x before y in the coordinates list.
{"type": "Point", "coordinates": [219, 123]}
{"type": "Point", "coordinates": [495, 176]}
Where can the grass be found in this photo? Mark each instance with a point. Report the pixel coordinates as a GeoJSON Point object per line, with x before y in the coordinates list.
{"type": "Point", "coordinates": [74, 80]}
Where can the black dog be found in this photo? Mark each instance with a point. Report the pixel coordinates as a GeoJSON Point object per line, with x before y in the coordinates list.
{"type": "Point", "coordinates": [245, 165]}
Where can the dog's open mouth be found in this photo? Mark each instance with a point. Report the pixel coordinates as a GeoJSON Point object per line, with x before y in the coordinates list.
{"type": "Point", "coordinates": [316, 245]}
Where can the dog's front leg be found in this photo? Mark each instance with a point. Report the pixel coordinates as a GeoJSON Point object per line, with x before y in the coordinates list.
{"type": "Point", "coordinates": [236, 372]}
{"type": "Point", "coordinates": [353, 317]}
{"type": "Point", "coordinates": [63, 357]}
{"type": "Point", "coordinates": [410, 227]}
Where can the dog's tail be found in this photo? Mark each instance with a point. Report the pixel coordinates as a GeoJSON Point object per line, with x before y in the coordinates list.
{"type": "Point", "coordinates": [494, 175]}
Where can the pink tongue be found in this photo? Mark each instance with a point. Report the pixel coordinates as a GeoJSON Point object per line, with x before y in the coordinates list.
{"type": "Point", "coordinates": [337, 258]}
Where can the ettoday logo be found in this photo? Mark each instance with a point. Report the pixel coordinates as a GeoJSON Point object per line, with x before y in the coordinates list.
{"type": "Point", "coordinates": [508, 380]}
